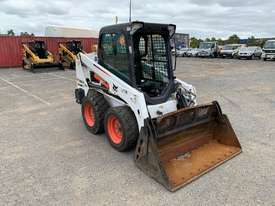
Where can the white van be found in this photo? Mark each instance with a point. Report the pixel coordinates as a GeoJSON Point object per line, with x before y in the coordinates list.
{"type": "Point", "coordinates": [269, 50]}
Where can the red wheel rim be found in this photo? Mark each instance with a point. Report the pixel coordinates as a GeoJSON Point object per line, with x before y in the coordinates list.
{"type": "Point", "coordinates": [89, 114]}
{"type": "Point", "coordinates": [114, 129]}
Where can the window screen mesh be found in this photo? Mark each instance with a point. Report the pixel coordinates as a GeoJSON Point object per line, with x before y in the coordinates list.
{"type": "Point", "coordinates": [154, 58]}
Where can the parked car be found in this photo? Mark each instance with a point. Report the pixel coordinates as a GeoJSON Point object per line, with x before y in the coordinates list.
{"type": "Point", "coordinates": [251, 52]}
{"type": "Point", "coordinates": [269, 50]}
{"type": "Point", "coordinates": [182, 52]}
{"type": "Point", "coordinates": [208, 49]}
{"type": "Point", "coordinates": [230, 50]}
{"type": "Point", "coordinates": [192, 52]}
{"type": "Point", "coordinates": [220, 47]}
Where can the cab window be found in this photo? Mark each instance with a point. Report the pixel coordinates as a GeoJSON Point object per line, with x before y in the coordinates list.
{"type": "Point", "coordinates": [114, 54]}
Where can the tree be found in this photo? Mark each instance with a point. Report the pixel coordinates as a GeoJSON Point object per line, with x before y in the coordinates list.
{"type": "Point", "coordinates": [10, 32]}
{"type": "Point", "coordinates": [220, 41]}
{"type": "Point", "coordinates": [252, 41]}
{"type": "Point", "coordinates": [262, 43]}
{"type": "Point", "coordinates": [213, 39]}
{"type": "Point", "coordinates": [26, 34]}
{"type": "Point", "coordinates": [234, 39]}
{"type": "Point", "coordinates": [194, 43]}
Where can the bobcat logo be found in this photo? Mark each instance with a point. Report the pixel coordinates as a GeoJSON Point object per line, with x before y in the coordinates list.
{"type": "Point", "coordinates": [115, 88]}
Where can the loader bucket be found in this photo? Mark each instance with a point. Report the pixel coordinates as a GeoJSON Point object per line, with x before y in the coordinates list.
{"type": "Point", "coordinates": [179, 147]}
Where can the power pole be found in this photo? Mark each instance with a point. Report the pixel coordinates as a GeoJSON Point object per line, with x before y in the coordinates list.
{"type": "Point", "coordinates": [130, 10]}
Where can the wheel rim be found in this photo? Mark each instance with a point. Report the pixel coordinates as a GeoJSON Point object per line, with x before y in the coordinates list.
{"type": "Point", "coordinates": [89, 114]}
{"type": "Point", "coordinates": [114, 129]}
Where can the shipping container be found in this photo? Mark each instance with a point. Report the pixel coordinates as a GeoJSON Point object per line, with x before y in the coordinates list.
{"type": "Point", "coordinates": [11, 47]}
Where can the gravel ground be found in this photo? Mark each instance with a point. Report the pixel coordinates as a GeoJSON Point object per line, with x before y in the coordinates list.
{"type": "Point", "coordinates": [47, 157]}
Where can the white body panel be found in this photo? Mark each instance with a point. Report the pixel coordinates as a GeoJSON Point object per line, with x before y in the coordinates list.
{"type": "Point", "coordinates": [127, 95]}
{"type": "Point", "coordinates": [164, 108]}
{"type": "Point", "coordinates": [269, 52]}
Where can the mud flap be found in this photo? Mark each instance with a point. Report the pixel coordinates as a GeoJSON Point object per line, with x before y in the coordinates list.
{"type": "Point", "coordinates": [179, 147]}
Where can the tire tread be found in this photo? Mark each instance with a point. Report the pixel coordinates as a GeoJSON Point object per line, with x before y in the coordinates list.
{"type": "Point", "coordinates": [100, 106]}
{"type": "Point", "coordinates": [129, 124]}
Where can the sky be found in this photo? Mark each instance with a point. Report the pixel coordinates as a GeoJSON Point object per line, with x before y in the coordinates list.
{"type": "Point", "coordinates": [199, 18]}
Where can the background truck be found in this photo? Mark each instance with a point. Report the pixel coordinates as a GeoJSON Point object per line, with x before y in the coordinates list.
{"type": "Point", "coordinates": [208, 49]}
{"type": "Point", "coordinates": [269, 50]}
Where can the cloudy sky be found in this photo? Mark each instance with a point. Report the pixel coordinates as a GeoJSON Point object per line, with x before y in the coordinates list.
{"type": "Point", "coordinates": [200, 18]}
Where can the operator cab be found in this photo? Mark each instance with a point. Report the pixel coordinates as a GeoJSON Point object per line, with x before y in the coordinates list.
{"type": "Point", "coordinates": [207, 45]}
{"type": "Point", "coordinates": [74, 46]}
{"type": "Point", "coordinates": [140, 54]}
{"type": "Point", "coordinates": [39, 48]}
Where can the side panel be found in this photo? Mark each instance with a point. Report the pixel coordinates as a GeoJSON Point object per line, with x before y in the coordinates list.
{"type": "Point", "coordinates": [161, 109]}
{"type": "Point", "coordinates": [124, 93]}
{"type": "Point", "coordinates": [86, 63]}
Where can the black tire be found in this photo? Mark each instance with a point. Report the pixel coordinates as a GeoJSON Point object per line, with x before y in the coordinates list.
{"type": "Point", "coordinates": [23, 64]}
{"type": "Point", "coordinates": [128, 127]}
{"type": "Point", "coordinates": [215, 55]}
{"type": "Point", "coordinates": [61, 67]}
{"type": "Point", "coordinates": [96, 102]}
{"type": "Point", "coordinates": [62, 62]}
{"type": "Point", "coordinates": [72, 66]}
{"type": "Point", "coordinates": [61, 59]}
{"type": "Point", "coordinates": [32, 68]}
{"type": "Point", "coordinates": [264, 59]}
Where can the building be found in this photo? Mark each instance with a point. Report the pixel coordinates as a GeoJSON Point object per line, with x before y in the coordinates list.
{"type": "Point", "coordinates": [70, 32]}
{"type": "Point", "coordinates": [182, 40]}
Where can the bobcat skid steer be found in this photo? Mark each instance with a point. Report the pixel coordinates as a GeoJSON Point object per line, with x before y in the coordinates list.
{"type": "Point", "coordinates": [36, 55]}
{"type": "Point", "coordinates": [68, 53]}
{"type": "Point", "coordinates": [128, 89]}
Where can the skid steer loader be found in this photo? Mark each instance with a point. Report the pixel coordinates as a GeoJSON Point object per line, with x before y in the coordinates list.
{"type": "Point", "coordinates": [36, 55]}
{"type": "Point", "coordinates": [68, 53]}
{"type": "Point", "coordinates": [129, 90]}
